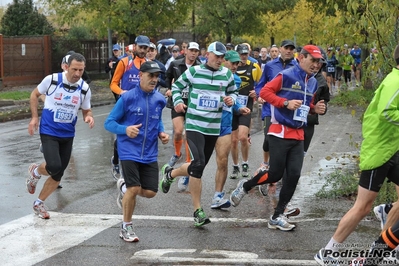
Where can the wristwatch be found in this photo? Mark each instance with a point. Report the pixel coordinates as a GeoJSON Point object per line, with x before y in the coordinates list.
{"type": "Point", "coordinates": [286, 103]}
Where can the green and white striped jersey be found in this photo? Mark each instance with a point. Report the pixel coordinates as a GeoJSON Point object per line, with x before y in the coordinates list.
{"type": "Point", "coordinates": [206, 90]}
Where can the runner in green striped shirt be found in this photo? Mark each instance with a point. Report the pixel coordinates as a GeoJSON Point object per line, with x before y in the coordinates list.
{"type": "Point", "coordinates": [209, 85]}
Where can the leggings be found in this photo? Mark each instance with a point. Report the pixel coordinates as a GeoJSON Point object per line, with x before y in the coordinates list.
{"type": "Point", "coordinates": [201, 148]}
{"type": "Point", "coordinates": [347, 75]}
{"type": "Point", "coordinates": [57, 152]}
{"type": "Point", "coordinates": [285, 155]}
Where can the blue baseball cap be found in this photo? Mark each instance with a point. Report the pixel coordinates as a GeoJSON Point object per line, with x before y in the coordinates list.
{"type": "Point", "coordinates": [217, 48]}
{"type": "Point", "coordinates": [142, 40]}
{"type": "Point", "coordinates": [116, 47]}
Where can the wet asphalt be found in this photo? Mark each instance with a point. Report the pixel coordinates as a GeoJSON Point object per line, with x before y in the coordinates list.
{"type": "Point", "coordinates": [236, 236]}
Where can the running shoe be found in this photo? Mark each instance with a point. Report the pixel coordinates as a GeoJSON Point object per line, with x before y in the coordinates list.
{"type": "Point", "coordinates": [291, 212]}
{"type": "Point", "coordinates": [41, 210]}
{"type": "Point", "coordinates": [219, 202]}
{"type": "Point", "coordinates": [173, 160]}
{"type": "Point", "coordinates": [238, 193]}
{"type": "Point", "coordinates": [127, 234]}
{"type": "Point", "coordinates": [119, 184]}
{"type": "Point", "coordinates": [245, 170]}
{"type": "Point", "coordinates": [200, 218]}
{"type": "Point", "coordinates": [263, 189]}
{"type": "Point", "coordinates": [32, 180]}
{"type": "Point", "coordinates": [182, 184]}
{"type": "Point", "coordinates": [280, 223]}
{"type": "Point", "coordinates": [236, 172]}
{"type": "Point", "coordinates": [322, 259]}
{"type": "Point", "coordinates": [380, 213]}
{"type": "Point", "coordinates": [115, 169]}
{"type": "Point", "coordinates": [166, 181]}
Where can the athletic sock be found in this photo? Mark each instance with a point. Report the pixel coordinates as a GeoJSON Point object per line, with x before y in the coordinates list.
{"type": "Point", "coordinates": [333, 245]}
{"type": "Point", "coordinates": [178, 144]}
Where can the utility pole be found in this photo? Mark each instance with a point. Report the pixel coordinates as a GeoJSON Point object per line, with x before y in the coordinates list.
{"type": "Point", "coordinates": [109, 38]}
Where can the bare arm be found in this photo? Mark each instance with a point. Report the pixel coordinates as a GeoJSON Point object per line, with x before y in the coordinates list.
{"type": "Point", "coordinates": [88, 117]}
{"type": "Point", "coordinates": [34, 102]}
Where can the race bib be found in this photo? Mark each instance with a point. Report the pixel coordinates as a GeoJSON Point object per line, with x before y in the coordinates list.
{"type": "Point", "coordinates": [242, 100]}
{"type": "Point", "coordinates": [63, 116]}
{"type": "Point", "coordinates": [208, 103]}
{"type": "Point", "coordinates": [301, 114]}
{"type": "Point", "coordinates": [184, 93]}
{"type": "Point", "coordinates": [330, 69]}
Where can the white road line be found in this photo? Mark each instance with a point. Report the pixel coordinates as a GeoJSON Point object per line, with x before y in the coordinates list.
{"type": "Point", "coordinates": [225, 257]}
{"type": "Point", "coordinates": [29, 240]}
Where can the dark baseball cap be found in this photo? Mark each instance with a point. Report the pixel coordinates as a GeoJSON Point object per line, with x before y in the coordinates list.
{"type": "Point", "coordinates": [242, 49]}
{"type": "Point", "coordinates": [286, 43]}
{"type": "Point", "coordinates": [230, 45]}
{"type": "Point", "coordinates": [150, 67]}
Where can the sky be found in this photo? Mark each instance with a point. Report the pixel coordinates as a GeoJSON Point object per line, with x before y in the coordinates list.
{"type": "Point", "coordinates": [5, 2]}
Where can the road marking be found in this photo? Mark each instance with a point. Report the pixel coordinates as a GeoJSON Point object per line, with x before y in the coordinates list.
{"type": "Point", "coordinates": [29, 240]}
{"type": "Point", "coordinates": [224, 257]}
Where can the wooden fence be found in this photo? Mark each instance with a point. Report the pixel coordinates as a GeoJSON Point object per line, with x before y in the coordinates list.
{"type": "Point", "coordinates": [24, 60]}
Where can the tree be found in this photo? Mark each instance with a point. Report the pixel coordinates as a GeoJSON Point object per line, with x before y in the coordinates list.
{"type": "Point", "coordinates": [230, 18]}
{"type": "Point", "coordinates": [127, 18]}
{"type": "Point", "coordinates": [22, 18]}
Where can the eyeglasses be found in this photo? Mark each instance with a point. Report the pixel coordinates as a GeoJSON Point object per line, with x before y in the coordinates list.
{"type": "Point", "coordinates": [143, 47]}
{"type": "Point", "coordinates": [153, 75]}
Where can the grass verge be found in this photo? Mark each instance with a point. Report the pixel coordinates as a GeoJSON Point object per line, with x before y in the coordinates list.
{"type": "Point", "coordinates": [15, 95]}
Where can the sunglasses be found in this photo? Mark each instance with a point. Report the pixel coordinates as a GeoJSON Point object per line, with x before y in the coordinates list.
{"type": "Point", "coordinates": [143, 47]}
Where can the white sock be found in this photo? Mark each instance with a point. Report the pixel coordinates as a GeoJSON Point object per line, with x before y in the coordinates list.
{"type": "Point", "coordinates": [217, 194]}
{"type": "Point", "coordinates": [37, 202]}
{"type": "Point", "coordinates": [124, 224]}
{"type": "Point", "coordinates": [123, 188]}
{"type": "Point", "coordinates": [333, 245]}
{"type": "Point", "coordinates": [36, 173]}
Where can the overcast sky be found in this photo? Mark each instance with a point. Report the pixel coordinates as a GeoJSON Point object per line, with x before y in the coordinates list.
{"type": "Point", "coordinates": [5, 2]}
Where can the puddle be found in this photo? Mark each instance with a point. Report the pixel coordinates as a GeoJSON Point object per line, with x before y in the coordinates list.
{"type": "Point", "coordinates": [310, 183]}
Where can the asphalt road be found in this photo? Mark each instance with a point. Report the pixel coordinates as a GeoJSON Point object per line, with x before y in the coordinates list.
{"type": "Point", "coordinates": [85, 220]}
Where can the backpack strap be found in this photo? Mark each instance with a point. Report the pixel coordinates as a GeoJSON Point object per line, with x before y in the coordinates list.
{"type": "Point", "coordinates": [83, 90]}
{"type": "Point", "coordinates": [56, 79]}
